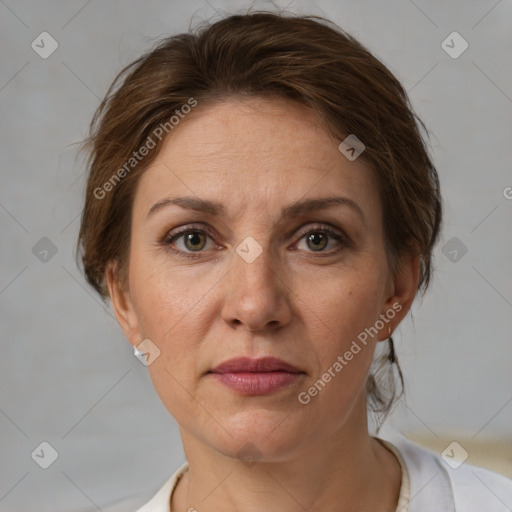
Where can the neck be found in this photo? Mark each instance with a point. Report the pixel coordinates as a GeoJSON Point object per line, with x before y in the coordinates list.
{"type": "Point", "coordinates": [347, 472]}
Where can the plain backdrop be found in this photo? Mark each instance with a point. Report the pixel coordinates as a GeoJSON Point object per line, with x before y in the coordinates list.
{"type": "Point", "coordinates": [68, 376]}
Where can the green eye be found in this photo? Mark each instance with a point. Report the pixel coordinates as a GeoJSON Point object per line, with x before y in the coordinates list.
{"type": "Point", "coordinates": [194, 240]}
{"type": "Point", "coordinates": [191, 240]}
{"type": "Point", "coordinates": [318, 239]}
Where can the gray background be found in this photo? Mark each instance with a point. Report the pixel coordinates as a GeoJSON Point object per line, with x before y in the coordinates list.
{"type": "Point", "coordinates": [68, 377]}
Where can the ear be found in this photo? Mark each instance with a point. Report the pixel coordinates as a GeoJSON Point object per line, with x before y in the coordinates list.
{"type": "Point", "coordinates": [403, 288]}
{"type": "Point", "coordinates": [122, 304]}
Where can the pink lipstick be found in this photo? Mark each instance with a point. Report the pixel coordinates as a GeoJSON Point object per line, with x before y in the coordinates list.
{"type": "Point", "coordinates": [256, 376]}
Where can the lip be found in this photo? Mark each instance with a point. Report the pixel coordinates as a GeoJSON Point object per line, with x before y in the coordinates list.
{"type": "Point", "coordinates": [260, 365]}
{"type": "Point", "coordinates": [256, 376]}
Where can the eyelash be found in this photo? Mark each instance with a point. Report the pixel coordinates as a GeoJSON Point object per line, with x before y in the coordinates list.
{"type": "Point", "coordinates": [205, 230]}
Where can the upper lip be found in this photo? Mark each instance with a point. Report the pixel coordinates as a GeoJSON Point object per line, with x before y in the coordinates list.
{"type": "Point", "coordinates": [260, 365]}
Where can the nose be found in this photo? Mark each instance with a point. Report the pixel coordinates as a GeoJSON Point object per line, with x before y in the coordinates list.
{"type": "Point", "coordinates": [255, 294]}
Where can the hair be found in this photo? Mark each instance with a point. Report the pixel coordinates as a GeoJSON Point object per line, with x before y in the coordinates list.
{"type": "Point", "coordinates": [307, 59]}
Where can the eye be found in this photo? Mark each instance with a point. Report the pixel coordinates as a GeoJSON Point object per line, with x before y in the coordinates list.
{"type": "Point", "coordinates": [188, 240]}
{"type": "Point", "coordinates": [317, 239]}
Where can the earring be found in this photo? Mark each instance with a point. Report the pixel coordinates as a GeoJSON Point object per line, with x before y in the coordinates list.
{"type": "Point", "coordinates": [391, 356]}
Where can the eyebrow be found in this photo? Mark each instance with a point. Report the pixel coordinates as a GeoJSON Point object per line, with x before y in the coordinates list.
{"type": "Point", "coordinates": [216, 209]}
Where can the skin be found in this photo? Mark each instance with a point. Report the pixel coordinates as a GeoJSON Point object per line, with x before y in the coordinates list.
{"type": "Point", "coordinates": [304, 302]}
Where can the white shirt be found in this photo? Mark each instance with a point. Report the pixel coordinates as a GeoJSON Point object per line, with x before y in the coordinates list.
{"type": "Point", "coordinates": [429, 484]}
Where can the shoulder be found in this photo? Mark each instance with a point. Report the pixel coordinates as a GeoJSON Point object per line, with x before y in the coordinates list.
{"type": "Point", "coordinates": [477, 488]}
{"type": "Point", "coordinates": [449, 483]}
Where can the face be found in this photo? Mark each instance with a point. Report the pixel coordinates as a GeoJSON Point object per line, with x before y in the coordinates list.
{"type": "Point", "coordinates": [250, 267]}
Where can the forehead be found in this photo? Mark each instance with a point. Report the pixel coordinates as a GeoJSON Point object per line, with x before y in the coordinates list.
{"type": "Point", "coordinates": [254, 154]}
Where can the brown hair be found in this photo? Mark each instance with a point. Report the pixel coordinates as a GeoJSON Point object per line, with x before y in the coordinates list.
{"type": "Point", "coordinates": [304, 58]}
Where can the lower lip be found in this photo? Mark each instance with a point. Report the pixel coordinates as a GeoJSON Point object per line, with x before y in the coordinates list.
{"type": "Point", "coordinates": [252, 383]}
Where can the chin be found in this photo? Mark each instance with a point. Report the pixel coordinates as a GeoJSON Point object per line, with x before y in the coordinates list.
{"type": "Point", "coordinates": [266, 434]}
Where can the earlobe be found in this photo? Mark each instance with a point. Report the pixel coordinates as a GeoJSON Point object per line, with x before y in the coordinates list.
{"type": "Point", "coordinates": [122, 305]}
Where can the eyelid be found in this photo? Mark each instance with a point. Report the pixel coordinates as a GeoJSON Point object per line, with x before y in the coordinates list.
{"type": "Point", "coordinates": [187, 228]}
{"type": "Point", "coordinates": [320, 226]}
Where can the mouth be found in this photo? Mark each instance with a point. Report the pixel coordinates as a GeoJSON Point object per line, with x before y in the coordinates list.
{"type": "Point", "coordinates": [261, 376]}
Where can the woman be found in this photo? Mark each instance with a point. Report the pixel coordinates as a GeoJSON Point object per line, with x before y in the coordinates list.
{"type": "Point", "coordinates": [261, 210]}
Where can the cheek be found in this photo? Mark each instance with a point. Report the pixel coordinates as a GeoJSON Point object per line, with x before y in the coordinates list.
{"type": "Point", "coordinates": [344, 304]}
{"type": "Point", "coordinates": [167, 311]}
{"type": "Point", "coordinates": [174, 310]}
{"type": "Point", "coordinates": [340, 319]}
{"type": "Point", "coordinates": [165, 298]}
